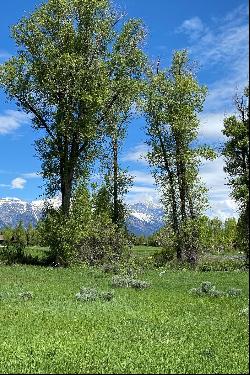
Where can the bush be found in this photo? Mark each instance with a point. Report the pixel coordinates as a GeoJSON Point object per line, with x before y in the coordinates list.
{"type": "Point", "coordinates": [83, 235]}
{"type": "Point", "coordinates": [208, 289]}
{"type": "Point", "coordinates": [15, 243]}
{"type": "Point", "coordinates": [91, 294]}
{"type": "Point", "coordinates": [220, 263]}
{"type": "Point", "coordinates": [233, 292]}
{"type": "Point", "coordinates": [160, 258]}
{"type": "Point", "coordinates": [128, 282]}
{"type": "Point", "coordinates": [104, 243]}
{"type": "Point", "coordinates": [25, 295]}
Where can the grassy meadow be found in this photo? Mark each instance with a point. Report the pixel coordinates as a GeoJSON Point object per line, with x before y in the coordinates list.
{"type": "Point", "coordinates": [161, 329]}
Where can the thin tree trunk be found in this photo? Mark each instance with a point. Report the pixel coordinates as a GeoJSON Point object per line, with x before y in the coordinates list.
{"type": "Point", "coordinates": [173, 198]}
{"type": "Point", "coordinates": [115, 218]}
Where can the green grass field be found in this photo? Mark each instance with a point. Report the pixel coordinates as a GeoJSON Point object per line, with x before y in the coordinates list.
{"type": "Point", "coordinates": [162, 329]}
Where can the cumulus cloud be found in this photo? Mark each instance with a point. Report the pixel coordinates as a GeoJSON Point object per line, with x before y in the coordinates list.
{"type": "Point", "coordinates": [193, 27]}
{"type": "Point", "coordinates": [18, 183]}
{"type": "Point", "coordinates": [211, 125]}
{"type": "Point", "coordinates": [224, 47]}
{"type": "Point", "coordinates": [142, 177]}
{"type": "Point", "coordinates": [138, 154]}
{"type": "Point", "coordinates": [221, 205]}
{"type": "Point", "coordinates": [12, 120]}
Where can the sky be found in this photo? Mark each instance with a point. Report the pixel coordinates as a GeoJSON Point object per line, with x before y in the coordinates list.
{"type": "Point", "coordinates": [216, 34]}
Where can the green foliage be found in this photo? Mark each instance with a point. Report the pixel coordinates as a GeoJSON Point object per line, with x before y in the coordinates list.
{"type": "Point", "coordinates": [163, 256]}
{"type": "Point", "coordinates": [236, 154]}
{"type": "Point", "coordinates": [86, 235]}
{"type": "Point", "coordinates": [76, 62]}
{"type": "Point", "coordinates": [173, 100]}
{"type": "Point", "coordinates": [221, 263]}
{"type": "Point", "coordinates": [234, 292]}
{"type": "Point", "coordinates": [8, 234]}
{"type": "Point", "coordinates": [32, 236]}
{"type": "Point", "coordinates": [207, 289]}
{"type": "Point", "coordinates": [15, 241]}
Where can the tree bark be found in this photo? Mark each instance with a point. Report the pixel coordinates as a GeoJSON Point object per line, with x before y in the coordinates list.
{"type": "Point", "coordinates": [115, 218]}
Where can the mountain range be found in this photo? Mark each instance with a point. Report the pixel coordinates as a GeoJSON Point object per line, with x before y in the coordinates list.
{"type": "Point", "coordinates": [144, 218]}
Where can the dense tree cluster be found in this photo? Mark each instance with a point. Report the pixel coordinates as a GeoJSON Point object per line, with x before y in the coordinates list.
{"type": "Point", "coordinates": [80, 72]}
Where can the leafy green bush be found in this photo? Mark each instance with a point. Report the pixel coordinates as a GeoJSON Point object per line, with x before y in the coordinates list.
{"type": "Point", "coordinates": [103, 243]}
{"type": "Point", "coordinates": [220, 263]}
{"type": "Point", "coordinates": [15, 242]}
{"type": "Point", "coordinates": [163, 256]}
{"type": "Point", "coordinates": [83, 235]}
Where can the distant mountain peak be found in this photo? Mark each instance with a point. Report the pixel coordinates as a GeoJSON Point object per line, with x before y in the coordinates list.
{"type": "Point", "coordinates": [144, 218]}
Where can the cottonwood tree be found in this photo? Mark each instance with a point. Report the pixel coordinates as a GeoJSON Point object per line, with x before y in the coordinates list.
{"type": "Point", "coordinates": [173, 100]}
{"type": "Point", "coordinates": [75, 61]}
{"type": "Point", "coordinates": [236, 154]}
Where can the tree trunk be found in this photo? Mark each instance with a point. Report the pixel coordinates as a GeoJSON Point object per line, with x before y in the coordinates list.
{"type": "Point", "coordinates": [115, 218]}
{"type": "Point", "coordinates": [173, 199]}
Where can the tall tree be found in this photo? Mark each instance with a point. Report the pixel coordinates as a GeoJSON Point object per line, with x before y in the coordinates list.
{"type": "Point", "coordinates": [173, 100]}
{"type": "Point", "coordinates": [236, 154]}
{"type": "Point", "coordinates": [75, 62]}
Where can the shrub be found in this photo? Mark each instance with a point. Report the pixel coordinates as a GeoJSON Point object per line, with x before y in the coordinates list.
{"type": "Point", "coordinates": [91, 294]}
{"type": "Point", "coordinates": [15, 242]}
{"type": "Point", "coordinates": [104, 243]}
{"type": "Point", "coordinates": [220, 263]}
{"type": "Point", "coordinates": [207, 289]}
{"type": "Point", "coordinates": [83, 235]}
{"type": "Point", "coordinates": [163, 256]}
{"type": "Point", "coordinates": [26, 295]}
{"type": "Point", "coordinates": [87, 294]}
{"type": "Point", "coordinates": [233, 292]}
{"type": "Point", "coordinates": [128, 282]}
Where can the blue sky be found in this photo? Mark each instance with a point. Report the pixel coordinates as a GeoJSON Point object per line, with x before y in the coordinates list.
{"type": "Point", "coordinates": [216, 34]}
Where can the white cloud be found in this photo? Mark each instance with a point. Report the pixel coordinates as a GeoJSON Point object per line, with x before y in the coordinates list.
{"type": "Point", "coordinates": [211, 125]}
{"type": "Point", "coordinates": [215, 179]}
{"type": "Point", "coordinates": [138, 154]}
{"type": "Point", "coordinates": [193, 27]}
{"type": "Point", "coordinates": [18, 183]}
{"type": "Point", "coordinates": [12, 120]}
{"type": "Point", "coordinates": [223, 47]}
{"type": "Point", "coordinates": [141, 177]}
{"type": "Point", "coordinates": [136, 196]}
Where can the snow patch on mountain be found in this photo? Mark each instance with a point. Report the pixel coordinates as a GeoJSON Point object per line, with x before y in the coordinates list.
{"type": "Point", "coordinates": [143, 219]}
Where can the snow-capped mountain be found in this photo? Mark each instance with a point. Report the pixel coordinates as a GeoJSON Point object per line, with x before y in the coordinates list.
{"type": "Point", "coordinates": [144, 218]}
